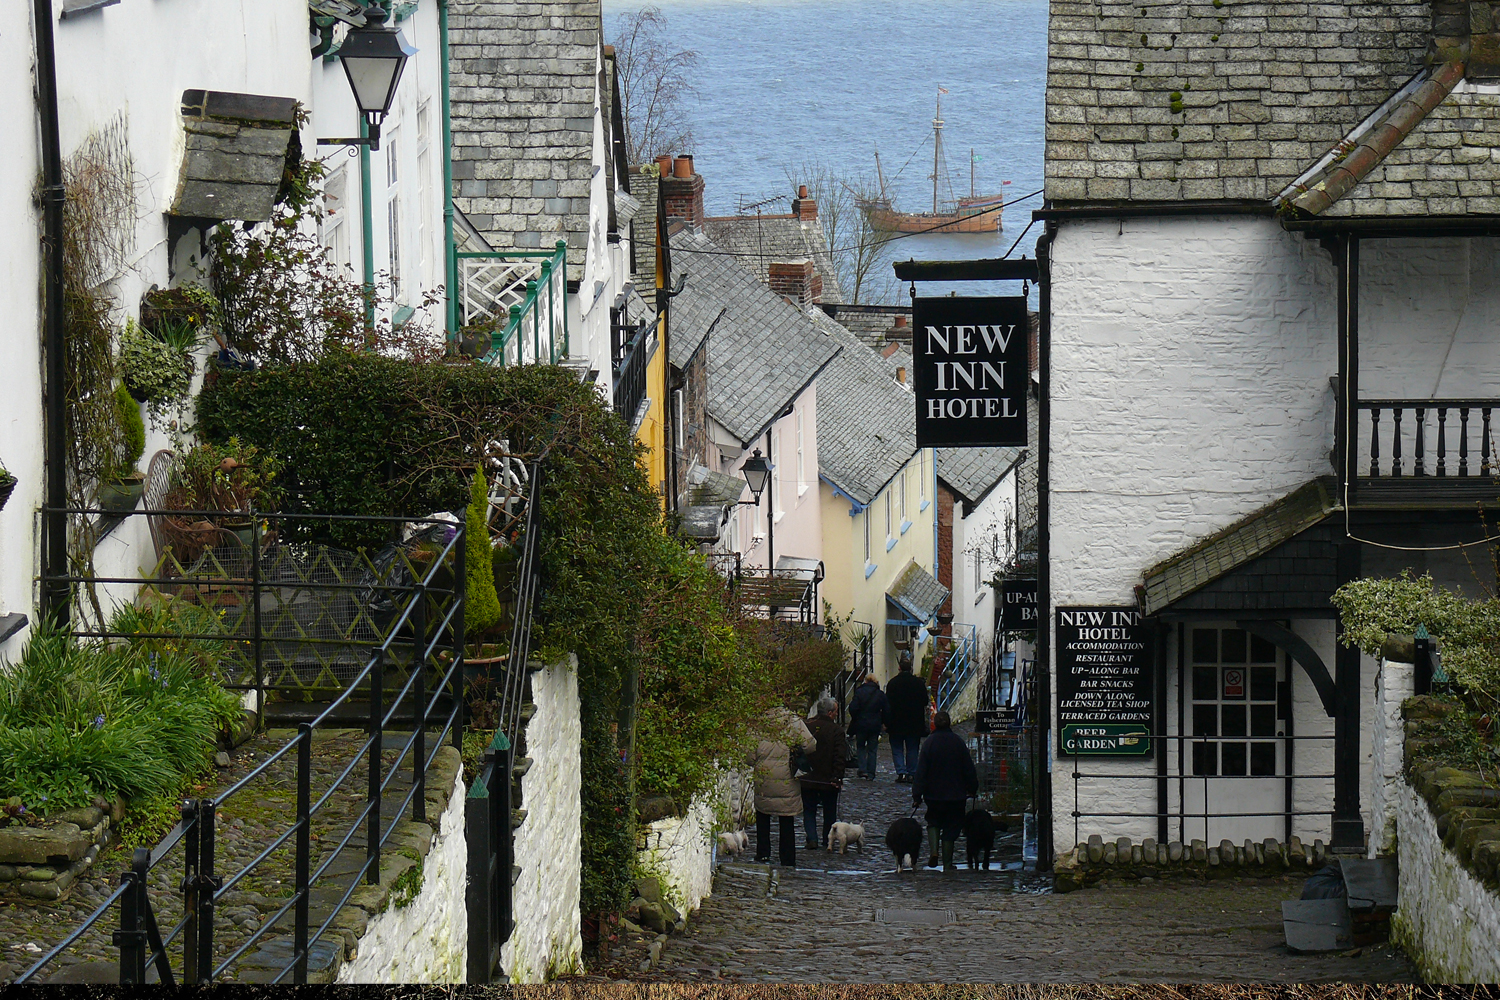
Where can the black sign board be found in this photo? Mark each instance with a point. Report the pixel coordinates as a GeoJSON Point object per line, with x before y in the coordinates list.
{"type": "Point", "coordinates": [971, 371]}
{"type": "Point", "coordinates": [996, 720]}
{"type": "Point", "coordinates": [1017, 606]}
{"type": "Point", "coordinates": [1105, 682]}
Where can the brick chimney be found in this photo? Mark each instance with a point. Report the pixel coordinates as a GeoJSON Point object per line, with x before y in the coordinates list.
{"type": "Point", "coordinates": [1484, 41]}
{"type": "Point", "coordinates": [1449, 38]}
{"type": "Point", "coordinates": [803, 207]}
{"type": "Point", "coordinates": [797, 280]}
{"type": "Point", "coordinates": [683, 196]}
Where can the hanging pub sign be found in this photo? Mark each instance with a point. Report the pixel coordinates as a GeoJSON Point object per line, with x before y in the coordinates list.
{"type": "Point", "coordinates": [1105, 682]}
{"type": "Point", "coordinates": [1017, 606]}
{"type": "Point", "coordinates": [971, 371]}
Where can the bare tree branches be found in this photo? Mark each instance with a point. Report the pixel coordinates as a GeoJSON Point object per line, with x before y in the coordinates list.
{"type": "Point", "coordinates": [654, 79]}
{"type": "Point", "coordinates": [860, 252]}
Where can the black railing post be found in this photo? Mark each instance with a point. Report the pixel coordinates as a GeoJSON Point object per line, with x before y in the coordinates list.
{"type": "Point", "coordinates": [504, 833]}
{"type": "Point", "coordinates": [419, 707]}
{"type": "Point", "coordinates": [460, 669]}
{"type": "Point", "coordinates": [304, 850]}
{"type": "Point", "coordinates": [1422, 668]}
{"type": "Point", "coordinates": [479, 893]}
{"type": "Point", "coordinates": [190, 890]}
{"type": "Point", "coordinates": [131, 937]}
{"type": "Point", "coordinates": [207, 886]}
{"type": "Point", "coordinates": [372, 800]}
{"type": "Point", "coordinates": [256, 642]}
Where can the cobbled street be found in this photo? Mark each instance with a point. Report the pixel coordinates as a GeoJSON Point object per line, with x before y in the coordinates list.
{"type": "Point", "coordinates": [850, 918]}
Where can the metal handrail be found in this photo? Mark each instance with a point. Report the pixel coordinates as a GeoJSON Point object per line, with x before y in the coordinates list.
{"type": "Point", "coordinates": [553, 270]}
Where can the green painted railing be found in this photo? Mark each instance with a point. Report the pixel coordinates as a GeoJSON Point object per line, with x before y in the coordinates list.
{"type": "Point", "coordinates": [522, 297]}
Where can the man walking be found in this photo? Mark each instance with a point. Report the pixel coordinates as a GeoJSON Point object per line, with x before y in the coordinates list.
{"type": "Point", "coordinates": [821, 784]}
{"type": "Point", "coordinates": [945, 777]}
{"type": "Point", "coordinates": [907, 696]}
{"type": "Point", "coordinates": [867, 713]}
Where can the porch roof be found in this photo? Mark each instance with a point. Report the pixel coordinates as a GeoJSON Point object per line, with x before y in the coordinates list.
{"type": "Point", "coordinates": [1227, 550]}
{"type": "Point", "coordinates": [917, 593]}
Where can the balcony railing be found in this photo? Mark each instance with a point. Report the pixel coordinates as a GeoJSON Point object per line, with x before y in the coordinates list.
{"type": "Point", "coordinates": [523, 294]}
{"type": "Point", "coordinates": [1436, 451]}
{"type": "Point", "coordinates": [960, 666]}
{"type": "Point", "coordinates": [630, 371]}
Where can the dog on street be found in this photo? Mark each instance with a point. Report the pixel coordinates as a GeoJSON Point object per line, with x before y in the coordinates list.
{"type": "Point", "coordinates": [845, 835]}
{"type": "Point", "coordinates": [979, 837]}
{"type": "Point", "coordinates": [904, 838]}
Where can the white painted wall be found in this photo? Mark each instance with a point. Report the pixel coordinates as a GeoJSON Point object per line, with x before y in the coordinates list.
{"type": "Point", "coordinates": [427, 940]}
{"type": "Point", "coordinates": [548, 937]}
{"type": "Point", "coordinates": [975, 557]}
{"type": "Point", "coordinates": [790, 502]}
{"type": "Point", "coordinates": [1394, 683]}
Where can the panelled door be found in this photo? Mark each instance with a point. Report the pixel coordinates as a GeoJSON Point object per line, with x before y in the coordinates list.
{"type": "Point", "coordinates": [1234, 782]}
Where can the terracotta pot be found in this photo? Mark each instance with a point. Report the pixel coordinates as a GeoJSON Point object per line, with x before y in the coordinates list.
{"type": "Point", "coordinates": [683, 166]}
{"type": "Point", "coordinates": [119, 496]}
{"type": "Point", "coordinates": [664, 166]}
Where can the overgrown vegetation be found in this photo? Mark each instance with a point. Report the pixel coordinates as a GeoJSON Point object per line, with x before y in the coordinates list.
{"type": "Point", "coordinates": [1467, 630]}
{"type": "Point", "coordinates": [81, 720]}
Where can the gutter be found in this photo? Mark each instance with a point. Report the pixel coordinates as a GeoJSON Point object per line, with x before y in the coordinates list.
{"type": "Point", "coordinates": [1153, 210]}
{"type": "Point", "coordinates": [56, 596]}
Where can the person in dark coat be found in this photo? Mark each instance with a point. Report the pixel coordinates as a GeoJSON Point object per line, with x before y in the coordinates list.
{"type": "Point", "coordinates": [820, 786]}
{"type": "Point", "coordinates": [907, 695]}
{"type": "Point", "coordinates": [945, 777]}
{"type": "Point", "coordinates": [867, 713]}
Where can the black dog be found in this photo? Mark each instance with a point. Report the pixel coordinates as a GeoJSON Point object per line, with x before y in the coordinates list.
{"type": "Point", "coordinates": [904, 838]}
{"type": "Point", "coordinates": [979, 837]}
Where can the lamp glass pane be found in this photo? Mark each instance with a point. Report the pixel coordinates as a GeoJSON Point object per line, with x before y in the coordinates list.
{"type": "Point", "coordinates": [373, 81]}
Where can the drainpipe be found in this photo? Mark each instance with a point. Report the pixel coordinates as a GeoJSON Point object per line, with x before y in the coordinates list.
{"type": "Point", "coordinates": [771, 508]}
{"type": "Point", "coordinates": [450, 249]}
{"type": "Point", "coordinates": [55, 595]}
{"type": "Point", "coordinates": [1044, 550]}
{"type": "Point", "coordinates": [367, 223]}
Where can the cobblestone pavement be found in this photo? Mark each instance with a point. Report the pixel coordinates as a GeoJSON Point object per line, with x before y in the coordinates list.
{"type": "Point", "coordinates": [839, 919]}
{"type": "Point", "coordinates": [247, 825]}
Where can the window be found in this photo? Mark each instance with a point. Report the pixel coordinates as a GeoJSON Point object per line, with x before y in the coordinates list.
{"type": "Point", "coordinates": [866, 519]}
{"type": "Point", "coordinates": [922, 477]}
{"type": "Point", "coordinates": [424, 193]}
{"type": "Point", "coordinates": [888, 532]}
{"type": "Point", "coordinates": [775, 476]}
{"type": "Point", "coordinates": [801, 458]}
{"type": "Point", "coordinates": [335, 223]}
{"type": "Point", "coordinates": [393, 212]}
{"type": "Point", "coordinates": [1234, 686]}
{"type": "Point", "coordinates": [679, 432]}
{"type": "Point", "coordinates": [978, 576]}
{"type": "Point", "coordinates": [903, 496]}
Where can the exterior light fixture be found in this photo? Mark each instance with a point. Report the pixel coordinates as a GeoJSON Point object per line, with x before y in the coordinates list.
{"type": "Point", "coordinates": [757, 472]}
{"type": "Point", "coordinates": [373, 56]}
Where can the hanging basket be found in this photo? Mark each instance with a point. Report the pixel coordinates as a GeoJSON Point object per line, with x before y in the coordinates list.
{"type": "Point", "coordinates": [7, 487]}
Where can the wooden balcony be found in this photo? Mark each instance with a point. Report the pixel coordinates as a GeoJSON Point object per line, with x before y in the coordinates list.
{"type": "Point", "coordinates": [1425, 453]}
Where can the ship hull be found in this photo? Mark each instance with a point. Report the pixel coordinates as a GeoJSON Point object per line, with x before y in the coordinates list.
{"type": "Point", "coordinates": [890, 221]}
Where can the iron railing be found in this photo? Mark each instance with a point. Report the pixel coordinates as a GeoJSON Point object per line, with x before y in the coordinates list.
{"type": "Point", "coordinates": [963, 658]}
{"type": "Point", "coordinates": [418, 625]}
{"type": "Point", "coordinates": [859, 640]}
{"type": "Point", "coordinates": [630, 371]}
{"type": "Point", "coordinates": [523, 296]}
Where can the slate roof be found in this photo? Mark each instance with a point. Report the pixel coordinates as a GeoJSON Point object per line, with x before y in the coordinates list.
{"type": "Point", "coordinates": [1231, 548]}
{"type": "Point", "coordinates": [523, 87]}
{"type": "Point", "coordinates": [867, 421]}
{"type": "Point", "coordinates": [763, 351]}
{"type": "Point", "coordinates": [776, 238]}
{"type": "Point", "coordinates": [973, 472]}
{"type": "Point", "coordinates": [1180, 100]}
{"type": "Point", "coordinates": [917, 593]}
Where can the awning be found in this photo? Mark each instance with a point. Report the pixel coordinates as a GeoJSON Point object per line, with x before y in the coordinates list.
{"type": "Point", "coordinates": [915, 597]}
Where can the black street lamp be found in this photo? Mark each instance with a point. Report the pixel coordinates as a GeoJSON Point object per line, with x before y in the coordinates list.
{"type": "Point", "coordinates": [373, 56]}
{"type": "Point", "coordinates": [757, 472]}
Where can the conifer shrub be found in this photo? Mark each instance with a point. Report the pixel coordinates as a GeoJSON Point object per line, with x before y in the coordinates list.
{"type": "Point", "coordinates": [481, 604]}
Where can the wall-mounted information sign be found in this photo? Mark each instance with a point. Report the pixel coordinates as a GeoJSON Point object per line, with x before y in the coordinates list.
{"type": "Point", "coordinates": [1105, 682]}
{"type": "Point", "coordinates": [1017, 606]}
{"type": "Point", "coordinates": [971, 371]}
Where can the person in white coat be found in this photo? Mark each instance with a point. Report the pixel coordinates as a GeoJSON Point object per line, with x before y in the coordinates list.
{"type": "Point", "coordinates": [777, 791]}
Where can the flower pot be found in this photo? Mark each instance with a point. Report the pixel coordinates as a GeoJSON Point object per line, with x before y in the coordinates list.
{"type": "Point", "coordinates": [121, 494]}
{"type": "Point", "coordinates": [7, 487]}
{"type": "Point", "coordinates": [136, 392]}
{"type": "Point", "coordinates": [190, 539]}
{"type": "Point", "coordinates": [243, 532]}
{"type": "Point", "coordinates": [475, 342]}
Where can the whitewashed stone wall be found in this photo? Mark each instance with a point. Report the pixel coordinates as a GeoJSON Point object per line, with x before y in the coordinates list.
{"type": "Point", "coordinates": [1393, 685]}
{"type": "Point", "coordinates": [548, 937]}
{"type": "Point", "coordinates": [425, 941]}
{"type": "Point", "coordinates": [679, 851]}
{"type": "Point", "coordinates": [1447, 921]}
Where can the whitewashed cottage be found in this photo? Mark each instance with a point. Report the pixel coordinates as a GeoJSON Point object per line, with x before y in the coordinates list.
{"type": "Point", "coordinates": [1269, 334]}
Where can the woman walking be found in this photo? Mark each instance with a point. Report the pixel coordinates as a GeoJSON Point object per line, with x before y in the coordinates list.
{"type": "Point", "coordinates": [945, 778]}
{"type": "Point", "coordinates": [821, 785]}
{"type": "Point", "coordinates": [777, 793]}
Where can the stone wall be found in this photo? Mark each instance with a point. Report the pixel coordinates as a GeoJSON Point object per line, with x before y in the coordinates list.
{"type": "Point", "coordinates": [1393, 684]}
{"type": "Point", "coordinates": [679, 852]}
{"type": "Point", "coordinates": [1098, 860]}
{"type": "Point", "coordinates": [424, 940]}
{"type": "Point", "coordinates": [548, 937]}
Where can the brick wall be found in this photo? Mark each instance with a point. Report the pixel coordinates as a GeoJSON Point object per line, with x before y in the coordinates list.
{"type": "Point", "coordinates": [797, 280]}
{"type": "Point", "coordinates": [683, 197]}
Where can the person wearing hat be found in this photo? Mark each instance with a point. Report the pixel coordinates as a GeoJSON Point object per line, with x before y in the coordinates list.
{"type": "Point", "coordinates": [907, 695]}
{"type": "Point", "coordinates": [821, 784]}
{"type": "Point", "coordinates": [777, 792]}
{"type": "Point", "coordinates": [945, 778]}
{"type": "Point", "coordinates": [867, 714]}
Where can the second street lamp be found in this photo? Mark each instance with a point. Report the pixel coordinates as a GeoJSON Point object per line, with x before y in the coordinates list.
{"type": "Point", "coordinates": [373, 56]}
{"type": "Point", "coordinates": [757, 472]}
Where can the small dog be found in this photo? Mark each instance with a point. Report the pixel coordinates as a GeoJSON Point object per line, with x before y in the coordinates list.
{"type": "Point", "coordinates": [845, 835]}
{"type": "Point", "coordinates": [904, 838]}
{"type": "Point", "coordinates": [979, 837]}
{"type": "Point", "coordinates": [733, 842]}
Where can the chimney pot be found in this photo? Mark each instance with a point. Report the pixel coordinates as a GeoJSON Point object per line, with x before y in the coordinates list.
{"type": "Point", "coordinates": [901, 375]}
{"type": "Point", "coordinates": [682, 168]}
{"type": "Point", "coordinates": [802, 191]}
{"type": "Point", "coordinates": [664, 166]}
{"type": "Point", "coordinates": [900, 320]}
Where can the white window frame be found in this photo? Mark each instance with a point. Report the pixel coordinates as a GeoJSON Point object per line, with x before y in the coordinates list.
{"type": "Point", "coordinates": [921, 481]}
{"type": "Point", "coordinates": [394, 256]}
{"type": "Point", "coordinates": [333, 227]}
{"type": "Point", "coordinates": [424, 193]}
{"type": "Point", "coordinates": [776, 510]}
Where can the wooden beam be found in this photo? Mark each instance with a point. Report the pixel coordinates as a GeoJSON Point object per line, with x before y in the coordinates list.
{"type": "Point", "coordinates": [992, 269]}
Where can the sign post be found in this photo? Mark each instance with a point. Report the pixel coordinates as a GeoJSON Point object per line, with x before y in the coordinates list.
{"type": "Point", "coordinates": [971, 371]}
{"type": "Point", "coordinates": [1106, 704]}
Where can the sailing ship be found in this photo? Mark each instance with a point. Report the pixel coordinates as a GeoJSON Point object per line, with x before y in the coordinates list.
{"type": "Point", "coordinates": [974, 214]}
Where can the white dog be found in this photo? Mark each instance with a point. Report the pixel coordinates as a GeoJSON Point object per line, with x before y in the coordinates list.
{"type": "Point", "coordinates": [844, 835]}
{"type": "Point", "coordinates": [732, 842]}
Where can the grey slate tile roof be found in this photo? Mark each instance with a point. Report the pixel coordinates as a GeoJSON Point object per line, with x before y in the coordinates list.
{"type": "Point", "coordinates": [1179, 100]}
{"type": "Point", "coordinates": [1227, 550]}
{"type": "Point", "coordinates": [523, 86]}
{"type": "Point", "coordinates": [776, 238]}
{"type": "Point", "coordinates": [763, 351]}
{"type": "Point", "coordinates": [918, 593]}
{"type": "Point", "coordinates": [973, 472]}
{"type": "Point", "coordinates": [867, 421]}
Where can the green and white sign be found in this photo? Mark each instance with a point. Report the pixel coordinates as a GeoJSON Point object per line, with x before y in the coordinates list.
{"type": "Point", "coordinates": [1112, 739]}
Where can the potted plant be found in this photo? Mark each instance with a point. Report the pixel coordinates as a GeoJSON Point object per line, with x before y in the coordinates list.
{"type": "Point", "coordinates": [120, 490]}
{"type": "Point", "coordinates": [233, 479]}
{"type": "Point", "coordinates": [476, 339]}
{"type": "Point", "coordinates": [155, 371]}
{"type": "Point", "coordinates": [7, 486]}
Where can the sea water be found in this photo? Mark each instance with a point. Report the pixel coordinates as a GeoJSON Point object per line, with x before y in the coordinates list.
{"type": "Point", "coordinates": [781, 84]}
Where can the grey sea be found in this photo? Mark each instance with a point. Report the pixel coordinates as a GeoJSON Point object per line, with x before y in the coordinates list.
{"type": "Point", "coordinates": [781, 83]}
